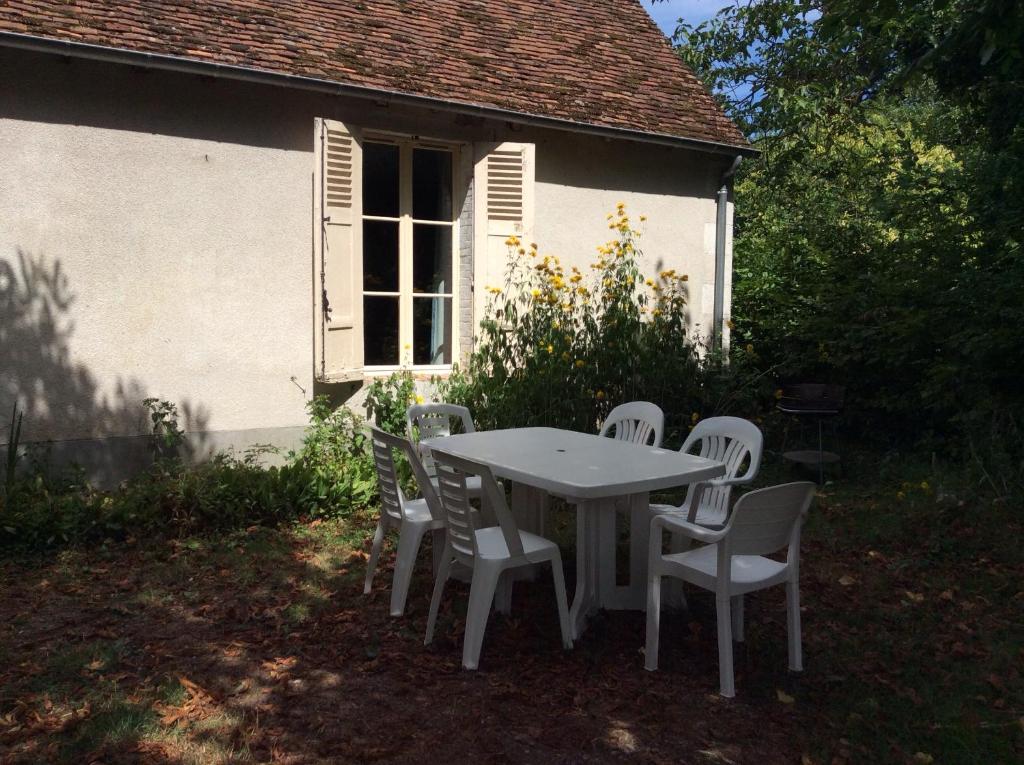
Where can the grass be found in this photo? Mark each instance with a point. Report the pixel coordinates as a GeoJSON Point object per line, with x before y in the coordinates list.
{"type": "Point", "coordinates": [259, 644]}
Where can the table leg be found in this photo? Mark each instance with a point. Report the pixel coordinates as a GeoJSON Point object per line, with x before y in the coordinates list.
{"type": "Point", "coordinates": [633, 595]}
{"type": "Point", "coordinates": [586, 599]}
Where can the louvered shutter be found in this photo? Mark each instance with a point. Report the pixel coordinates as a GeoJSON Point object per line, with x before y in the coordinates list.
{"type": "Point", "coordinates": [339, 305]}
{"type": "Point", "coordinates": [503, 191]}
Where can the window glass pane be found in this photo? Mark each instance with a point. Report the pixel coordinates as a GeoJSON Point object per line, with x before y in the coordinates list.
{"type": "Point", "coordinates": [432, 258]}
{"type": "Point", "coordinates": [432, 330]}
{"type": "Point", "coordinates": [431, 184]}
{"type": "Point", "coordinates": [380, 331]}
{"type": "Point", "coordinates": [380, 180]}
{"type": "Point", "coordinates": [380, 256]}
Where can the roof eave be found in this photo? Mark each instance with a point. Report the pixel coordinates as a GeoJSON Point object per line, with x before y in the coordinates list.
{"type": "Point", "coordinates": [262, 76]}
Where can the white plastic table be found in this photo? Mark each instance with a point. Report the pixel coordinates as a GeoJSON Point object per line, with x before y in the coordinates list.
{"type": "Point", "coordinates": [599, 475]}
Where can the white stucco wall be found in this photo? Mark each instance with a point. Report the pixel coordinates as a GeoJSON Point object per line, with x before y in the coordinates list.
{"type": "Point", "coordinates": [581, 180]}
{"type": "Point", "coordinates": [178, 211]}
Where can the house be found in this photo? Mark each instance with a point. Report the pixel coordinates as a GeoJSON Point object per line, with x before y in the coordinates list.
{"type": "Point", "coordinates": [236, 204]}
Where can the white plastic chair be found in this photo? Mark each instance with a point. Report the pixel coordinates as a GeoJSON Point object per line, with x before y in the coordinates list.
{"type": "Point", "coordinates": [487, 551]}
{"type": "Point", "coordinates": [412, 517]}
{"type": "Point", "coordinates": [434, 420]}
{"type": "Point", "coordinates": [639, 422]}
{"type": "Point", "coordinates": [763, 522]}
{"type": "Point", "coordinates": [731, 440]}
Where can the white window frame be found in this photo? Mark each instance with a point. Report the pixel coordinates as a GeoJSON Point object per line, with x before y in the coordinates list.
{"type": "Point", "coordinates": [406, 144]}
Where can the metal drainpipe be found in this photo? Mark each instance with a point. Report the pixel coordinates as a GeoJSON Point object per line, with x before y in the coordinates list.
{"type": "Point", "coordinates": [720, 231]}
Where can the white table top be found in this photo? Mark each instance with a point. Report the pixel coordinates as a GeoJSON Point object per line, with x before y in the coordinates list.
{"type": "Point", "coordinates": [578, 465]}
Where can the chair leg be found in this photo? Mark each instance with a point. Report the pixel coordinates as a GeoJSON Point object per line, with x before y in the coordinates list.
{"type": "Point", "coordinates": [653, 621]}
{"type": "Point", "coordinates": [435, 600]}
{"type": "Point", "coordinates": [561, 601]}
{"type": "Point", "coordinates": [796, 660]}
{"type": "Point", "coordinates": [371, 564]}
{"type": "Point", "coordinates": [481, 594]}
{"type": "Point", "coordinates": [737, 618]}
{"type": "Point", "coordinates": [725, 673]}
{"type": "Point", "coordinates": [503, 593]}
{"type": "Point", "coordinates": [437, 540]}
{"type": "Point", "coordinates": [409, 540]}
{"type": "Point", "coordinates": [675, 597]}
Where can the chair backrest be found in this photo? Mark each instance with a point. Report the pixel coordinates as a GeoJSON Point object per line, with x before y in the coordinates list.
{"type": "Point", "coordinates": [732, 440]}
{"type": "Point", "coordinates": [639, 422]}
{"type": "Point", "coordinates": [392, 497]}
{"type": "Point", "coordinates": [434, 420]}
{"type": "Point", "coordinates": [768, 520]}
{"type": "Point", "coordinates": [461, 520]}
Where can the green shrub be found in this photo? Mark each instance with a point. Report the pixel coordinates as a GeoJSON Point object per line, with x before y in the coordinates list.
{"type": "Point", "coordinates": [387, 399]}
{"type": "Point", "coordinates": [561, 349]}
{"type": "Point", "coordinates": [332, 474]}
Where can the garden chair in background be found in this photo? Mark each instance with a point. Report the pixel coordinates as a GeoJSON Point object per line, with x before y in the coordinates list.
{"type": "Point", "coordinates": [736, 442]}
{"type": "Point", "coordinates": [732, 563]}
{"type": "Point", "coordinates": [435, 420]}
{"type": "Point", "coordinates": [487, 551]}
{"type": "Point", "coordinates": [639, 422]}
{"type": "Point", "coordinates": [412, 517]}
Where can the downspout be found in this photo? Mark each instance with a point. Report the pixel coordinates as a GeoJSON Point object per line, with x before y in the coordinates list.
{"type": "Point", "coordinates": [720, 232]}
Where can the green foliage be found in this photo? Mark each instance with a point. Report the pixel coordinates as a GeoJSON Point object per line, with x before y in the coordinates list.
{"type": "Point", "coordinates": [331, 475]}
{"type": "Point", "coordinates": [561, 350]}
{"type": "Point", "coordinates": [168, 437]}
{"type": "Point", "coordinates": [387, 399]}
{"type": "Point", "coordinates": [336, 457]}
{"type": "Point", "coordinates": [877, 238]}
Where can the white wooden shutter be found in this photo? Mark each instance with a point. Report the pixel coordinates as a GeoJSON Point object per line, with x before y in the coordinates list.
{"type": "Point", "coordinates": [338, 210]}
{"type": "Point", "coordinates": [503, 181]}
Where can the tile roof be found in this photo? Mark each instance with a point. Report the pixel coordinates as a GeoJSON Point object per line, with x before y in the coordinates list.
{"type": "Point", "coordinates": [602, 62]}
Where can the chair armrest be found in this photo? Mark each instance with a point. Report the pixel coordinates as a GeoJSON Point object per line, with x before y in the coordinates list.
{"type": "Point", "coordinates": [677, 522]}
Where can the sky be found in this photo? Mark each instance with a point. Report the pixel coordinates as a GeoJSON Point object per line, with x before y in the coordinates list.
{"type": "Point", "coordinates": [694, 11]}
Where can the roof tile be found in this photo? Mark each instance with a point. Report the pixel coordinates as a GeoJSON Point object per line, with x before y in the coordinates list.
{"type": "Point", "coordinates": [602, 63]}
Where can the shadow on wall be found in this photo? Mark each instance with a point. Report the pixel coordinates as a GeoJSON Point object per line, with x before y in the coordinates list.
{"type": "Point", "coordinates": [59, 396]}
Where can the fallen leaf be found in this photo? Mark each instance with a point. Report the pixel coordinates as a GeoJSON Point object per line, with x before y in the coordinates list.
{"type": "Point", "coordinates": [924, 759]}
{"type": "Point", "coordinates": [846, 580]}
{"type": "Point", "coordinates": [784, 697]}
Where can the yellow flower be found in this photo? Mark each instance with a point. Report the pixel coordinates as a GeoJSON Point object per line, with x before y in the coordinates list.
{"type": "Point", "coordinates": [555, 325]}
{"type": "Point", "coordinates": [900, 495]}
{"type": "Point", "coordinates": [580, 363]}
{"type": "Point", "coordinates": [607, 282]}
{"type": "Point", "coordinates": [512, 241]}
{"type": "Point", "coordinates": [565, 356]}
{"type": "Point", "coordinates": [730, 325]}
{"type": "Point", "coordinates": [694, 417]}
{"type": "Point", "coordinates": [566, 306]}
{"type": "Point", "coordinates": [643, 218]}
{"type": "Point", "coordinates": [650, 282]}
{"type": "Point", "coordinates": [419, 399]}
{"type": "Point", "coordinates": [750, 348]}
{"type": "Point", "coordinates": [521, 251]}
{"type": "Point", "coordinates": [551, 348]}
{"type": "Point", "coordinates": [925, 486]}
{"type": "Point", "coordinates": [599, 395]}
{"type": "Point", "coordinates": [656, 312]}
{"type": "Point", "coordinates": [535, 292]}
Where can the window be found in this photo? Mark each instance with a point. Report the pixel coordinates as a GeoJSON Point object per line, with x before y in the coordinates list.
{"type": "Point", "coordinates": [384, 211]}
{"type": "Point", "coordinates": [408, 263]}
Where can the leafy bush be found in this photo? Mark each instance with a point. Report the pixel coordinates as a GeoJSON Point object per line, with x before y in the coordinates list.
{"type": "Point", "coordinates": [387, 399]}
{"type": "Point", "coordinates": [336, 456]}
{"type": "Point", "coordinates": [332, 474]}
{"type": "Point", "coordinates": [561, 349]}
